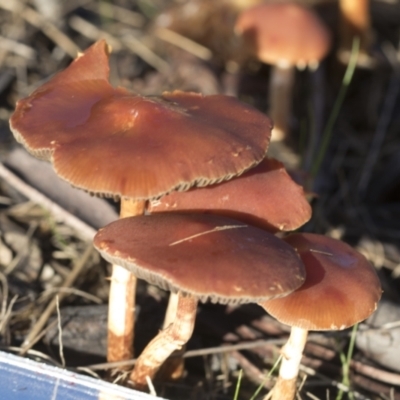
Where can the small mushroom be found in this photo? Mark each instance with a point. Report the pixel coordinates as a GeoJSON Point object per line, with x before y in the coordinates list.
{"type": "Point", "coordinates": [284, 35]}
{"type": "Point", "coordinates": [355, 22]}
{"type": "Point", "coordinates": [200, 257]}
{"type": "Point", "coordinates": [341, 289]}
{"type": "Point", "coordinates": [264, 196]}
{"type": "Point", "coordinates": [112, 143]}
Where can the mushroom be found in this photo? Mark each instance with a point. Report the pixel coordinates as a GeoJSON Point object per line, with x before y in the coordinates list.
{"type": "Point", "coordinates": [200, 257]}
{"type": "Point", "coordinates": [264, 196]}
{"type": "Point", "coordinates": [284, 35]}
{"type": "Point", "coordinates": [355, 22]}
{"type": "Point", "coordinates": [112, 143]}
{"type": "Point", "coordinates": [341, 289]}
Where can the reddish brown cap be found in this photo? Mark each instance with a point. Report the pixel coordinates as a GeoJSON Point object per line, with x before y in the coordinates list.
{"type": "Point", "coordinates": [285, 32]}
{"type": "Point", "coordinates": [207, 256]}
{"type": "Point", "coordinates": [265, 196]}
{"type": "Point", "coordinates": [110, 142]}
{"type": "Point", "coordinates": [341, 287]}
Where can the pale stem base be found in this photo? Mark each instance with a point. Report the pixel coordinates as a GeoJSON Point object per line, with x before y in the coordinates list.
{"type": "Point", "coordinates": [121, 316]}
{"type": "Point", "coordinates": [292, 352]}
{"type": "Point", "coordinates": [280, 99]}
{"type": "Point", "coordinates": [174, 367]}
{"type": "Point", "coordinates": [166, 342]}
{"type": "Point", "coordinates": [121, 310]}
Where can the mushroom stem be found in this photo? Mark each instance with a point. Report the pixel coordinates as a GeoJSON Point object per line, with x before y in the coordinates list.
{"type": "Point", "coordinates": [292, 351]}
{"type": "Point", "coordinates": [280, 99]}
{"type": "Point", "coordinates": [171, 309]}
{"type": "Point", "coordinates": [174, 367]}
{"type": "Point", "coordinates": [121, 310]}
{"type": "Point", "coordinates": [166, 342]}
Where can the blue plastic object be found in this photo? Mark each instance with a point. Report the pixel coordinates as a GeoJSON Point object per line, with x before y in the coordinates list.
{"type": "Point", "coordinates": [25, 379]}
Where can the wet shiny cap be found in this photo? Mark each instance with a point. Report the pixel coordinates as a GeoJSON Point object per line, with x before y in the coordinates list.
{"type": "Point", "coordinates": [110, 142]}
{"type": "Point", "coordinates": [264, 196]}
{"type": "Point", "coordinates": [341, 287]}
{"type": "Point", "coordinates": [284, 33]}
{"type": "Point", "coordinates": [210, 257]}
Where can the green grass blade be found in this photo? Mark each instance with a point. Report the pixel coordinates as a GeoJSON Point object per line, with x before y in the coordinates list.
{"type": "Point", "coordinates": [271, 371]}
{"type": "Point", "coordinates": [346, 364]}
{"type": "Point", "coordinates": [239, 381]}
{"type": "Point", "coordinates": [327, 133]}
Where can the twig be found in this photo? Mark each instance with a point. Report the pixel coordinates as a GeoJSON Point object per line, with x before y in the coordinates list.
{"type": "Point", "coordinates": [60, 215]}
{"type": "Point", "coordinates": [196, 353]}
{"type": "Point", "coordinates": [378, 374]}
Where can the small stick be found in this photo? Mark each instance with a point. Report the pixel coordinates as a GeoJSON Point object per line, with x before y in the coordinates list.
{"type": "Point", "coordinates": [60, 214]}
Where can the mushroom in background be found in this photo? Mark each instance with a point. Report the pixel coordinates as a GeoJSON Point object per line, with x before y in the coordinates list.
{"type": "Point", "coordinates": [355, 22]}
{"type": "Point", "coordinates": [112, 143]}
{"type": "Point", "coordinates": [199, 257]}
{"type": "Point", "coordinates": [341, 289]}
{"type": "Point", "coordinates": [285, 35]}
{"type": "Point", "coordinates": [209, 23]}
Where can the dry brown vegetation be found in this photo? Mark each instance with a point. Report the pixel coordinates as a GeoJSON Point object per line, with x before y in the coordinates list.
{"type": "Point", "coordinates": [45, 229]}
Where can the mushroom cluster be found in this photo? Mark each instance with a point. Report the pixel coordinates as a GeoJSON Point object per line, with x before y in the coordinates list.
{"type": "Point", "coordinates": [197, 165]}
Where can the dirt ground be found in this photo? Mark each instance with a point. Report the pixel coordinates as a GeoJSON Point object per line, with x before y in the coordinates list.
{"type": "Point", "coordinates": [46, 227]}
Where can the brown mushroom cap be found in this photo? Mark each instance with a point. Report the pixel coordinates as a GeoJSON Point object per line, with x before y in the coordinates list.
{"type": "Point", "coordinates": [284, 32]}
{"type": "Point", "coordinates": [265, 196]}
{"type": "Point", "coordinates": [207, 256]}
{"type": "Point", "coordinates": [112, 143]}
{"type": "Point", "coordinates": [341, 287]}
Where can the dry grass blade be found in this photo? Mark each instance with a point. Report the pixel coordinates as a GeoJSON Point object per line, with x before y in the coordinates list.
{"type": "Point", "coordinates": [121, 14]}
{"type": "Point", "coordinates": [129, 41]}
{"type": "Point", "coordinates": [216, 229]}
{"type": "Point", "coordinates": [4, 320]}
{"type": "Point", "coordinates": [74, 291]}
{"type": "Point", "coordinates": [89, 30]}
{"type": "Point", "coordinates": [61, 348]}
{"type": "Point", "coordinates": [184, 43]}
{"type": "Point", "coordinates": [332, 382]}
{"type": "Point", "coordinates": [251, 371]}
{"type": "Point", "coordinates": [4, 293]}
{"type": "Point", "coordinates": [17, 48]}
{"type": "Point", "coordinates": [76, 270]}
{"type": "Point", "coordinates": [41, 23]}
